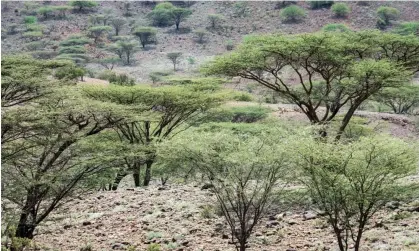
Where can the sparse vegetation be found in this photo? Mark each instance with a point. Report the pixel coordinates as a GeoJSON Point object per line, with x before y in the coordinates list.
{"type": "Point", "coordinates": [335, 28]}
{"type": "Point", "coordinates": [386, 15]}
{"type": "Point", "coordinates": [341, 9]}
{"type": "Point", "coordinates": [266, 120]}
{"type": "Point", "coordinates": [214, 20]}
{"type": "Point", "coordinates": [292, 13]}
{"type": "Point", "coordinates": [200, 35]}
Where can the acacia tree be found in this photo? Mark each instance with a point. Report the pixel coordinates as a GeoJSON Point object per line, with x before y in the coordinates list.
{"type": "Point", "coordinates": [83, 4]}
{"type": "Point", "coordinates": [351, 182]}
{"type": "Point", "coordinates": [322, 73]}
{"type": "Point", "coordinates": [96, 32]}
{"type": "Point", "coordinates": [400, 100]}
{"type": "Point", "coordinates": [147, 35]}
{"type": "Point", "coordinates": [175, 58]}
{"type": "Point", "coordinates": [179, 15]}
{"type": "Point", "coordinates": [50, 142]}
{"type": "Point", "coordinates": [246, 172]}
{"type": "Point", "coordinates": [171, 108]}
{"type": "Point", "coordinates": [118, 23]}
{"type": "Point", "coordinates": [125, 49]}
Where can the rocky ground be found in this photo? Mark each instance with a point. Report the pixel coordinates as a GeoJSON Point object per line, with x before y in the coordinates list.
{"type": "Point", "coordinates": [182, 217]}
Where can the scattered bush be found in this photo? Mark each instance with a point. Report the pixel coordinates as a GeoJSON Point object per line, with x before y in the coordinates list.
{"type": "Point", "coordinates": [76, 49]}
{"type": "Point", "coordinates": [229, 45]}
{"type": "Point", "coordinates": [45, 11]}
{"type": "Point", "coordinates": [214, 19]}
{"type": "Point", "coordinates": [34, 27]}
{"type": "Point", "coordinates": [241, 96]}
{"type": "Point", "coordinates": [341, 9]}
{"type": "Point", "coordinates": [117, 79]}
{"type": "Point", "coordinates": [157, 76]}
{"type": "Point", "coordinates": [335, 28]}
{"type": "Point", "coordinates": [74, 40]}
{"type": "Point", "coordinates": [70, 73]}
{"type": "Point", "coordinates": [30, 8]}
{"type": "Point", "coordinates": [62, 10]}
{"type": "Point", "coordinates": [108, 62]}
{"type": "Point", "coordinates": [386, 15]}
{"type": "Point", "coordinates": [33, 35]}
{"type": "Point", "coordinates": [292, 13]}
{"type": "Point", "coordinates": [240, 9]}
{"type": "Point", "coordinates": [200, 35]}
{"type": "Point", "coordinates": [245, 114]}
{"type": "Point", "coordinates": [83, 4]}
{"type": "Point", "coordinates": [320, 4]}
{"type": "Point", "coordinates": [34, 46]}
{"type": "Point", "coordinates": [408, 28]}
{"type": "Point", "coordinates": [154, 247]}
{"type": "Point", "coordinates": [30, 19]}
{"type": "Point", "coordinates": [43, 54]}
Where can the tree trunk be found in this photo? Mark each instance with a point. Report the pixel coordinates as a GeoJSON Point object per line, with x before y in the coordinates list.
{"type": "Point", "coordinates": [25, 228]}
{"type": "Point", "coordinates": [346, 120]}
{"type": "Point", "coordinates": [147, 176]}
{"type": "Point", "coordinates": [116, 32]}
{"type": "Point", "coordinates": [177, 25]}
{"type": "Point", "coordinates": [118, 178]}
{"type": "Point", "coordinates": [136, 175]}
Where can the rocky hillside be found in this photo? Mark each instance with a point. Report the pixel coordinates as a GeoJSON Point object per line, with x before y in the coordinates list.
{"type": "Point", "coordinates": [259, 18]}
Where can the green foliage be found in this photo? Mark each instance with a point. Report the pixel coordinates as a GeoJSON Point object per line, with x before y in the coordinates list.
{"type": "Point", "coordinates": [292, 13]}
{"type": "Point", "coordinates": [96, 32]}
{"type": "Point", "coordinates": [124, 49]}
{"type": "Point", "coordinates": [83, 4]}
{"type": "Point", "coordinates": [161, 14]}
{"type": "Point", "coordinates": [108, 62]}
{"type": "Point", "coordinates": [408, 28]}
{"type": "Point", "coordinates": [118, 23]}
{"type": "Point", "coordinates": [30, 19]}
{"type": "Point", "coordinates": [320, 4]}
{"type": "Point", "coordinates": [62, 10]}
{"type": "Point", "coordinates": [33, 35]}
{"type": "Point", "coordinates": [34, 46]}
{"type": "Point", "coordinates": [30, 8]}
{"type": "Point", "coordinates": [74, 41]}
{"type": "Point", "coordinates": [355, 53]}
{"type": "Point", "coordinates": [154, 247]}
{"type": "Point", "coordinates": [341, 9]}
{"type": "Point", "coordinates": [244, 114]}
{"type": "Point", "coordinates": [153, 235]}
{"type": "Point", "coordinates": [214, 20]}
{"type": "Point", "coordinates": [147, 35]}
{"type": "Point", "coordinates": [157, 76]}
{"type": "Point", "coordinates": [45, 11]}
{"type": "Point", "coordinates": [197, 84]}
{"type": "Point", "coordinates": [116, 78]}
{"type": "Point", "coordinates": [350, 182]}
{"type": "Point", "coordinates": [34, 27]}
{"type": "Point", "coordinates": [179, 14]}
{"type": "Point", "coordinates": [77, 49]}
{"type": "Point", "coordinates": [401, 100]}
{"type": "Point", "coordinates": [174, 57]}
{"type": "Point", "coordinates": [335, 28]}
{"type": "Point", "coordinates": [386, 15]}
{"type": "Point", "coordinates": [200, 35]}
{"type": "Point", "coordinates": [62, 157]}
{"type": "Point", "coordinates": [242, 169]}
{"type": "Point", "coordinates": [69, 73]}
